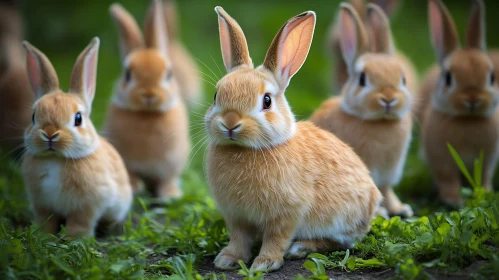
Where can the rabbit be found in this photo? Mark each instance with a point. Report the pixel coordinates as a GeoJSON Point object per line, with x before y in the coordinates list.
{"type": "Point", "coordinates": [70, 172]}
{"type": "Point", "coordinates": [340, 75]}
{"type": "Point", "coordinates": [184, 67]}
{"type": "Point", "coordinates": [15, 93]}
{"type": "Point", "coordinates": [460, 97]}
{"type": "Point", "coordinates": [373, 113]}
{"type": "Point", "coordinates": [297, 186]}
{"type": "Point", "coordinates": [147, 119]}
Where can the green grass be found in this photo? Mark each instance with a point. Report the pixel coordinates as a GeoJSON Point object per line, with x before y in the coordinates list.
{"type": "Point", "coordinates": [175, 240]}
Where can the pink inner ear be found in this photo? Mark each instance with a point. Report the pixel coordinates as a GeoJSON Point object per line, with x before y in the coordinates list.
{"type": "Point", "coordinates": [348, 36]}
{"type": "Point", "coordinates": [436, 25]}
{"type": "Point", "coordinates": [34, 71]}
{"type": "Point", "coordinates": [294, 46]}
{"type": "Point", "coordinates": [89, 75]}
{"type": "Point", "coordinates": [225, 43]}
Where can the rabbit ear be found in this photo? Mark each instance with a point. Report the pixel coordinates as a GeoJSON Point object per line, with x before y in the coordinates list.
{"type": "Point", "coordinates": [353, 35]}
{"type": "Point", "coordinates": [360, 7]}
{"type": "Point", "coordinates": [83, 77]}
{"type": "Point", "coordinates": [41, 73]}
{"type": "Point", "coordinates": [155, 30]}
{"type": "Point", "coordinates": [443, 30]}
{"type": "Point", "coordinates": [171, 20]}
{"type": "Point", "coordinates": [388, 6]}
{"type": "Point", "coordinates": [476, 37]}
{"type": "Point", "coordinates": [290, 47]}
{"type": "Point", "coordinates": [233, 42]}
{"type": "Point", "coordinates": [130, 35]}
{"type": "Point", "coordinates": [382, 35]}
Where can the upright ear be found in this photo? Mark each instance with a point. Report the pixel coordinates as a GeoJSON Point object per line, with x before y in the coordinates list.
{"type": "Point", "coordinates": [388, 6]}
{"type": "Point", "coordinates": [171, 20]}
{"type": "Point", "coordinates": [381, 39]}
{"type": "Point", "coordinates": [232, 41]}
{"type": "Point", "coordinates": [353, 35]}
{"type": "Point", "coordinates": [290, 47]}
{"type": "Point", "coordinates": [41, 73]}
{"type": "Point", "coordinates": [443, 30]}
{"type": "Point", "coordinates": [155, 30]}
{"type": "Point", "coordinates": [83, 77]}
{"type": "Point", "coordinates": [130, 35]}
{"type": "Point", "coordinates": [476, 37]}
{"type": "Point", "coordinates": [360, 8]}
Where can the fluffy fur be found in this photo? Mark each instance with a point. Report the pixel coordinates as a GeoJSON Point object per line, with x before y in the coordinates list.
{"type": "Point", "coordinates": [296, 186]}
{"type": "Point", "coordinates": [70, 172]}
{"type": "Point", "coordinates": [460, 101]}
{"type": "Point", "coordinates": [372, 115]}
{"type": "Point", "coordinates": [147, 121]}
{"type": "Point", "coordinates": [15, 94]}
{"type": "Point", "coordinates": [340, 73]}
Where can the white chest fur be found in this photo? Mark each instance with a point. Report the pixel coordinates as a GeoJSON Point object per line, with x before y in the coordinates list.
{"type": "Point", "coordinates": [50, 183]}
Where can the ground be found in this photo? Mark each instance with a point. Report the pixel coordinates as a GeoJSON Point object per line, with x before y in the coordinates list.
{"type": "Point", "coordinates": [181, 239]}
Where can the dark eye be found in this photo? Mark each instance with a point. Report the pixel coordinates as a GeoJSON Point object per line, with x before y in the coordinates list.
{"type": "Point", "coordinates": [448, 79]}
{"type": "Point", "coordinates": [404, 82]}
{"type": "Point", "coordinates": [169, 74]}
{"type": "Point", "coordinates": [33, 117]}
{"type": "Point", "coordinates": [128, 75]}
{"type": "Point", "coordinates": [267, 102]}
{"type": "Point", "coordinates": [492, 78]}
{"type": "Point", "coordinates": [78, 119]}
{"type": "Point", "coordinates": [215, 97]}
{"type": "Point", "coordinates": [362, 80]}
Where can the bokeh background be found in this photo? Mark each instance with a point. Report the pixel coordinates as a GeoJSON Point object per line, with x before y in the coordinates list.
{"type": "Point", "coordinates": [62, 29]}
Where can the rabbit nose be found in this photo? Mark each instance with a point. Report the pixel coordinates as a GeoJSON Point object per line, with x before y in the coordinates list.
{"type": "Point", "coordinates": [472, 104]}
{"type": "Point", "coordinates": [149, 97]}
{"type": "Point", "coordinates": [50, 134]}
{"type": "Point", "coordinates": [388, 103]}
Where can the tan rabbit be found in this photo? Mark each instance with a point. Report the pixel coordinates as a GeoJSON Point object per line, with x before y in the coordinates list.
{"type": "Point", "coordinates": [70, 172]}
{"type": "Point", "coordinates": [15, 93]}
{"type": "Point", "coordinates": [372, 114]}
{"type": "Point", "coordinates": [147, 121]}
{"type": "Point", "coordinates": [297, 186]}
{"type": "Point", "coordinates": [185, 69]}
{"type": "Point", "coordinates": [340, 75]}
{"type": "Point", "coordinates": [461, 98]}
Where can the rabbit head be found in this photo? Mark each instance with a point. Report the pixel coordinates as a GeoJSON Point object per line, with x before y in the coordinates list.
{"type": "Point", "coordinates": [250, 108]}
{"type": "Point", "coordinates": [61, 121]}
{"type": "Point", "coordinates": [467, 83]}
{"type": "Point", "coordinates": [376, 88]}
{"type": "Point", "coordinates": [147, 82]}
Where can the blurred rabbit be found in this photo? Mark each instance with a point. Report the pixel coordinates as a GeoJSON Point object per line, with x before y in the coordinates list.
{"type": "Point", "coordinates": [460, 98]}
{"type": "Point", "coordinates": [184, 67]}
{"type": "Point", "coordinates": [297, 186]}
{"type": "Point", "coordinates": [70, 171]}
{"type": "Point", "coordinates": [373, 113]}
{"type": "Point", "coordinates": [15, 94]}
{"type": "Point", "coordinates": [147, 120]}
{"type": "Point", "coordinates": [340, 74]}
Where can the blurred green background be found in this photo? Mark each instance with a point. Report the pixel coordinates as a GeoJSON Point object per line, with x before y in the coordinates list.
{"type": "Point", "coordinates": [62, 29]}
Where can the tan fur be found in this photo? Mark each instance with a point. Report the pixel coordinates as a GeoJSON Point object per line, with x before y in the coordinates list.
{"type": "Point", "coordinates": [15, 93]}
{"type": "Point", "coordinates": [76, 175]}
{"type": "Point", "coordinates": [463, 114]}
{"type": "Point", "coordinates": [340, 73]}
{"type": "Point", "coordinates": [147, 121]}
{"type": "Point", "coordinates": [297, 186]}
{"type": "Point", "coordinates": [359, 117]}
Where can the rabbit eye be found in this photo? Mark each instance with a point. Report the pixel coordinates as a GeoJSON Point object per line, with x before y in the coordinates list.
{"type": "Point", "coordinates": [362, 79]}
{"type": "Point", "coordinates": [215, 97]}
{"type": "Point", "coordinates": [448, 79]}
{"type": "Point", "coordinates": [169, 74]}
{"type": "Point", "coordinates": [128, 75]}
{"type": "Point", "coordinates": [492, 78]}
{"type": "Point", "coordinates": [404, 82]}
{"type": "Point", "coordinates": [33, 118]}
{"type": "Point", "coordinates": [267, 102]}
{"type": "Point", "coordinates": [78, 119]}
